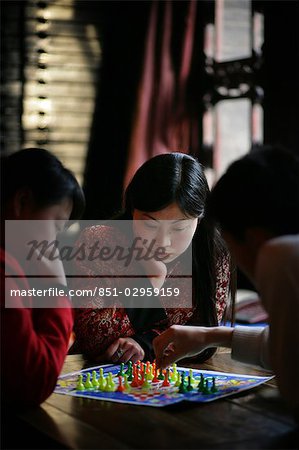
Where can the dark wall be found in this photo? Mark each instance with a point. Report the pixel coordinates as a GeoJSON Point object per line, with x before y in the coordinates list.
{"type": "Point", "coordinates": [122, 39]}
{"type": "Point", "coordinates": [281, 73]}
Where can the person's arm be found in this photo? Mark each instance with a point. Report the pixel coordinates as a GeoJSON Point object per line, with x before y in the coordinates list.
{"type": "Point", "coordinates": [102, 320]}
{"type": "Point", "coordinates": [221, 302]}
{"type": "Point", "coordinates": [180, 341]}
{"type": "Point", "coordinates": [98, 328]}
{"type": "Point", "coordinates": [277, 278]}
{"type": "Point", "coordinates": [102, 331]}
{"type": "Point", "coordinates": [34, 345]}
{"type": "Point", "coordinates": [250, 345]}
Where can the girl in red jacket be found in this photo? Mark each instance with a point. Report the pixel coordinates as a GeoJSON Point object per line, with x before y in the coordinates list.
{"type": "Point", "coordinates": [34, 341]}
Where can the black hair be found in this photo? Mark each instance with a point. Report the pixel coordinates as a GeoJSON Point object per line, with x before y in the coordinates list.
{"type": "Point", "coordinates": [259, 190]}
{"type": "Point", "coordinates": [168, 178]}
{"type": "Point", "coordinates": [180, 178]}
{"type": "Point", "coordinates": [44, 175]}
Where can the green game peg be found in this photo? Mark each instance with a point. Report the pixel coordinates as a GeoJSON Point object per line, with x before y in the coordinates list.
{"type": "Point", "coordinates": [80, 386]}
{"type": "Point", "coordinates": [206, 389]}
{"type": "Point", "coordinates": [214, 388]}
{"type": "Point", "coordinates": [94, 380]}
{"type": "Point", "coordinates": [182, 387]}
{"type": "Point", "coordinates": [88, 384]}
{"type": "Point", "coordinates": [200, 386]}
{"type": "Point", "coordinates": [189, 387]}
{"type": "Point", "coordinates": [121, 372]}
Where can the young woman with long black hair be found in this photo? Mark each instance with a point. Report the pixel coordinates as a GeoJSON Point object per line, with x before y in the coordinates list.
{"type": "Point", "coordinates": [165, 202]}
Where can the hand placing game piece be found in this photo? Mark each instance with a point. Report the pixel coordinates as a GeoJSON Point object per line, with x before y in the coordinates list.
{"type": "Point", "coordinates": [158, 268]}
{"type": "Point", "coordinates": [180, 341]}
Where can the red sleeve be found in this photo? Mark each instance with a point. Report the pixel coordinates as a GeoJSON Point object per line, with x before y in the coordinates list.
{"type": "Point", "coordinates": [97, 326]}
{"type": "Point", "coordinates": [34, 346]}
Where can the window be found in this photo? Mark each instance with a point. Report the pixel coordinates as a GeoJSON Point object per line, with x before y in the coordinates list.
{"type": "Point", "coordinates": [233, 115]}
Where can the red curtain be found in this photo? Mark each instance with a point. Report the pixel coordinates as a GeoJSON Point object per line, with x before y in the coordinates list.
{"type": "Point", "coordinates": [166, 115]}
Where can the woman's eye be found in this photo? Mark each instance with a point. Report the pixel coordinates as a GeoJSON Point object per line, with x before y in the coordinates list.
{"type": "Point", "coordinates": [150, 225]}
{"type": "Point", "coordinates": [182, 228]}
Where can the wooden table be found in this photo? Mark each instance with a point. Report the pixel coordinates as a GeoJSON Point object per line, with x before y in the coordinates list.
{"type": "Point", "coordinates": [251, 420]}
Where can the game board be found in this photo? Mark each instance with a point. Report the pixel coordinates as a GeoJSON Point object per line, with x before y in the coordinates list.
{"type": "Point", "coordinates": [202, 386]}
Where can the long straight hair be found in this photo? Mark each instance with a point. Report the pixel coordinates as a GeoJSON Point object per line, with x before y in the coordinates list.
{"type": "Point", "coordinates": [179, 178]}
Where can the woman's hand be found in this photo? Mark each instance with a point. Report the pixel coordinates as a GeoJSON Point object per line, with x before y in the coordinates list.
{"type": "Point", "coordinates": [156, 272]}
{"type": "Point", "coordinates": [123, 350]}
{"type": "Point", "coordinates": [49, 266]}
{"type": "Point", "coordinates": [181, 341]}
